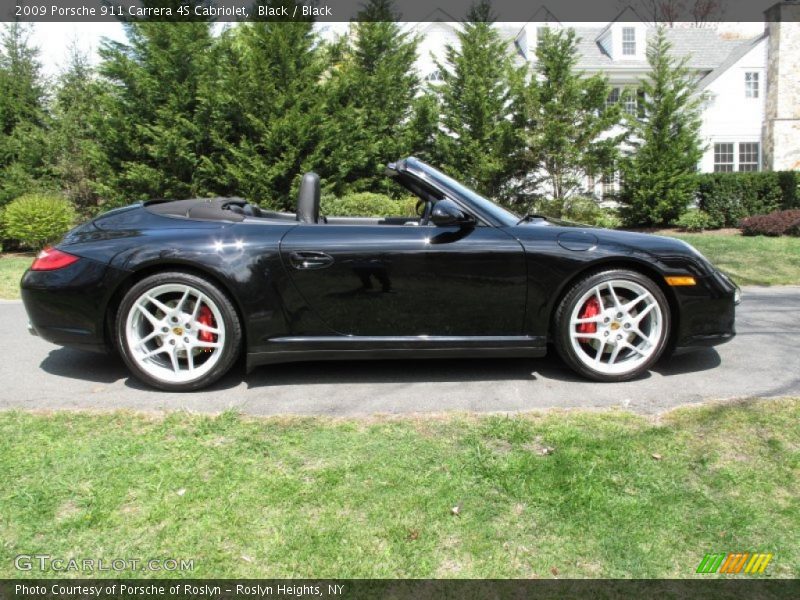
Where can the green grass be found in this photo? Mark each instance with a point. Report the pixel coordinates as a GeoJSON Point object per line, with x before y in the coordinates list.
{"type": "Point", "coordinates": [751, 260]}
{"type": "Point", "coordinates": [11, 270]}
{"type": "Point", "coordinates": [313, 497]}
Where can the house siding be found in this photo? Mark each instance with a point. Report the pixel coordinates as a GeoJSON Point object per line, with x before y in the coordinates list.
{"type": "Point", "coordinates": [720, 65]}
{"type": "Point", "coordinates": [729, 116]}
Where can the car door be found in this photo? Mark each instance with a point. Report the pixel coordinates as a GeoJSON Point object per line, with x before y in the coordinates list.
{"type": "Point", "coordinates": [400, 280]}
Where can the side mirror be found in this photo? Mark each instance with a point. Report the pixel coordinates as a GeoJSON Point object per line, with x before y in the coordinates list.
{"type": "Point", "coordinates": [447, 212]}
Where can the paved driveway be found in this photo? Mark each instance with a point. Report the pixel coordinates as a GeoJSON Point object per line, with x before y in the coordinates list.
{"type": "Point", "coordinates": [764, 360]}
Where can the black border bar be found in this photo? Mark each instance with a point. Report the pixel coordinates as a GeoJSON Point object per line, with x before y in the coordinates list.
{"type": "Point", "coordinates": [415, 589]}
{"type": "Point", "coordinates": [522, 11]}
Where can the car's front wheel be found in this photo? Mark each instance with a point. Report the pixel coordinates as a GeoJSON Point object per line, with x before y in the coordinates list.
{"type": "Point", "coordinates": [613, 325]}
{"type": "Point", "coordinates": [177, 331]}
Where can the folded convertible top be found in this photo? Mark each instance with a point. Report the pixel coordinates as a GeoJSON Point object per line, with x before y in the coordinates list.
{"type": "Point", "coordinates": [206, 209]}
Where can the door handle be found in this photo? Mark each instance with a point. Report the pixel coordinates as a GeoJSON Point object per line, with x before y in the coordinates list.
{"type": "Point", "coordinates": [308, 260]}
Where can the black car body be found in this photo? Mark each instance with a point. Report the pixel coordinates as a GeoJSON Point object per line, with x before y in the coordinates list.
{"type": "Point", "coordinates": [465, 279]}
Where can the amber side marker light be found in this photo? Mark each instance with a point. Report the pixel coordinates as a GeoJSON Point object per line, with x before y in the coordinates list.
{"type": "Point", "coordinates": [678, 280]}
{"type": "Point", "coordinates": [51, 259]}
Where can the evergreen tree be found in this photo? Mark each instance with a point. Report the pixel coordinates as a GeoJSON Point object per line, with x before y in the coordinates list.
{"type": "Point", "coordinates": [369, 94]}
{"type": "Point", "coordinates": [477, 134]}
{"type": "Point", "coordinates": [78, 160]}
{"type": "Point", "coordinates": [266, 109]}
{"type": "Point", "coordinates": [23, 118]}
{"type": "Point", "coordinates": [658, 178]}
{"type": "Point", "coordinates": [565, 125]}
{"type": "Point", "coordinates": [157, 124]}
{"type": "Point", "coordinates": [420, 132]}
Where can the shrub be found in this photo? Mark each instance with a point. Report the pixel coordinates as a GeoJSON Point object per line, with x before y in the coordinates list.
{"type": "Point", "coordinates": [790, 188]}
{"type": "Point", "coordinates": [367, 204]}
{"type": "Point", "coordinates": [782, 222]}
{"type": "Point", "coordinates": [730, 197]}
{"type": "Point", "coordinates": [694, 220]}
{"type": "Point", "coordinates": [581, 209]}
{"type": "Point", "coordinates": [38, 219]}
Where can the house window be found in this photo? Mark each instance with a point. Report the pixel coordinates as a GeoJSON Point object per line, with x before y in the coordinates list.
{"type": "Point", "coordinates": [723, 158]}
{"type": "Point", "coordinates": [434, 77]}
{"type": "Point", "coordinates": [751, 85]}
{"type": "Point", "coordinates": [748, 156]}
{"type": "Point", "coordinates": [609, 180]}
{"type": "Point", "coordinates": [540, 33]}
{"type": "Point", "coordinates": [628, 41]}
{"type": "Point", "coordinates": [613, 97]}
{"type": "Point", "coordinates": [632, 101]}
{"type": "Point", "coordinates": [744, 156]}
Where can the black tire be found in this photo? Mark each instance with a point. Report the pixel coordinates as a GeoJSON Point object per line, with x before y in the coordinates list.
{"type": "Point", "coordinates": [563, 335]}
{"type": "Point", "coordinates": [232, 328]}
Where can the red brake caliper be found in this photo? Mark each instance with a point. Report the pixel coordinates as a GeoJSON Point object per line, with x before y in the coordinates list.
{"type": "Point", "coordinates": [206, 317]}
{"type": "Point", "coordinates": [590, 309]}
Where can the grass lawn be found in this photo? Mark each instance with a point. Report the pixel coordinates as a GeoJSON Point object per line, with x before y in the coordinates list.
{"type": "Point", "coordinates": [751, 260]}
{"type": "Point", "coordinates": [11, 269]}
{"type": "Point", "coordinates": [618, 495]}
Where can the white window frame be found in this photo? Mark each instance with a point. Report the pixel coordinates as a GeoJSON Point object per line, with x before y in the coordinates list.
{"type": "Point", "coordinates": [630, 101]}
{"type": "Point", "coordinates": [724, 166]}
{"type": "Point", "coordinates": [734, 162]}
{"type": "Point", "coordinates": [608, 183]}
{"type": "Point", "coordinates": [752, 84]}
{"type": "Point", "coordinates": [613, 96]}
{"type": "Point", "coordinates": [540, 33]}
{"type": "Point", "coordinates": [434, 77]}
{"type": "Point", "coordinates": [628, 43]}
{"type": "Point", "coordinates": [754, 164]}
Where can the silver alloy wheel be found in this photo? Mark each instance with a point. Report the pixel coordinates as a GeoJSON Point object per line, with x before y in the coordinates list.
{"type": "Point", "coordinates": [169, 337]}
{"type": "Point", "coordinates": [623, 334]}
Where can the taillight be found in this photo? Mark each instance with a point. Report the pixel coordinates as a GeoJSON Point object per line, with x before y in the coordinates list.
{"type": "Point", "coordinates": [51, 259]}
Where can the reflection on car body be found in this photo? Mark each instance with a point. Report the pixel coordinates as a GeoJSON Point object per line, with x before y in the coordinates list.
{"type": "Point", "coordinates": [182, 288]}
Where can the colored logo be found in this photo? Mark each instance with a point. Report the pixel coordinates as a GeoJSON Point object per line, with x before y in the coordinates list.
{"type": "Point", "coordinates": [734, 562]}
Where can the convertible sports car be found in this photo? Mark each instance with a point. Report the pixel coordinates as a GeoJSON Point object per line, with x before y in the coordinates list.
{"type": "Point", "coordinates": [182, 288]}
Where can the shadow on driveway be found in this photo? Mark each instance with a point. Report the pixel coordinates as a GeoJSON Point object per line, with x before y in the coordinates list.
{"type": "Point", "coordinates": [88, 366]}
{"type": "Point", "coordinates": [109, 368]}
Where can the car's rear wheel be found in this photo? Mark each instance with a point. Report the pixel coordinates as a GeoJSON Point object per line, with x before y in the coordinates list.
{"type": "Point", "coordinates": [613, 325]}
{"type": "Point", "coordinates": [177, 331]}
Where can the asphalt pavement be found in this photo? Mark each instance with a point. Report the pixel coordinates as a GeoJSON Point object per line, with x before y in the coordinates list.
{"type": "Point", "coordinates": [763, 360]}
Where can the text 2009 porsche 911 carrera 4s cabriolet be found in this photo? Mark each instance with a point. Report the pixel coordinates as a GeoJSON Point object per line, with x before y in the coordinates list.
{"type": "Point", "coordinates": [182, 288]}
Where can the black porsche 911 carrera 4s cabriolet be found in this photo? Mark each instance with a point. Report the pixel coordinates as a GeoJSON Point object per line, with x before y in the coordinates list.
{"type": "Point", "coordinates": [182, 288]}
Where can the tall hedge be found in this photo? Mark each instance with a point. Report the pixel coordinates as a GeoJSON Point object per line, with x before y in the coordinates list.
{"type": "Point", "coordinates": [730, 197]}
{"type": "Point", "coordinates": [790, 187]}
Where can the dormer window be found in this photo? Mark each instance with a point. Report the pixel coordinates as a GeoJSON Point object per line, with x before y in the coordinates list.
{"type": "Point", "coordinates": [540, 33]}
{"type": "Point", "coordinates": [628, 41]}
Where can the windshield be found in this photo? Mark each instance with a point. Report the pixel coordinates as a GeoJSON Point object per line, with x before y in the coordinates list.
{"type": "Point", "coordinates": [482, 204]}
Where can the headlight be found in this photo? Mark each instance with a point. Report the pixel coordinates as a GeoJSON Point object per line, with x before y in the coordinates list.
{"type": "Point", "coordinates": [737, 292]}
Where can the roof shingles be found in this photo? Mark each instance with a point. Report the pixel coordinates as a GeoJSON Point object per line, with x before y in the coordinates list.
{"type": "Point", "coordinates": [704, 47]}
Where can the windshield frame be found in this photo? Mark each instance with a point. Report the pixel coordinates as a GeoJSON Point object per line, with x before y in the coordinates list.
{"type": "Point", "coordinates": [484, 208]}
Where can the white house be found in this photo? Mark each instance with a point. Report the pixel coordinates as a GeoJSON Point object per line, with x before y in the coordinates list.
{"type": "Point", "coordinates": [732, 73]}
